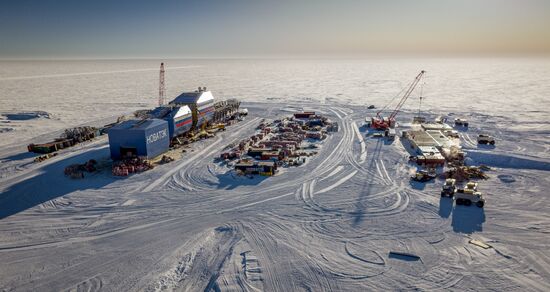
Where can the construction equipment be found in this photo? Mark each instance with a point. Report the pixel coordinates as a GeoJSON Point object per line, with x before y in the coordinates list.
{"type": "Point", "coordinates": [77, 170]}
{"type": "Point", "coordinates": [463, 173]}
{"type": "Point", "coordinates": [44, 157]}
{"type": "Point", "coordinates": [218, 126]}
{"type": "Point", "coordinates": [202, 134]}
{"type": "Point", "coordinates": [423, 176]}
{"type": "Point", "coordinates": [382, 123]}
{"type": "Point", "coordinates": [390, 134]}
{"type": "Point", "coordinates": [449, 188]}
{"type": "Point", "coordinates": [166, 159]}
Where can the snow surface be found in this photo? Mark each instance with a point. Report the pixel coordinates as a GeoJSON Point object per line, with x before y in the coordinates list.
{"type": "Point", "coordinates": [192, 225]}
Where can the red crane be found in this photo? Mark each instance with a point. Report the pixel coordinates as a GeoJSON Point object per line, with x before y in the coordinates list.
{"type": "Point", "coordinates": [381, 123]}
{"type": "Point", "coordinates": [161, 85]}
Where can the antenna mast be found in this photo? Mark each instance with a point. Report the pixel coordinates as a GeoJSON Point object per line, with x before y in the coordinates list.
{"type": "Point", "coordinates": [161, 85]}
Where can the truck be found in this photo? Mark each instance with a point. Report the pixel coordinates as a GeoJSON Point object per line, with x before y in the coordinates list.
{"type": "Point", "coordinates": [449, 188]}
{"type": "Point", "coordinates": [485, 139]}
{"type": "Point", "coordinates": [467, 199]}
{"type": "Point", "coordinates": [243, 112]}
{"type": "Point", "coordinates": [461, 122]}
{"type": "Point", "coordinates": [418, 120]}
{"type": "Point", "coordinates": [451, 133]}
{"type": "Point", "coordinates": [390, 133]}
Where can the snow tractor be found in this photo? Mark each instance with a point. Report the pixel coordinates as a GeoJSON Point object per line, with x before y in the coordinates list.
{"type": "Point", "coordinates": [451, 133]}
{"type": "Point", "coordinates": [461, 123]}
{"type": "Point", "coordinates": [485, 139]}
{"type": "Point", "coordinates": [449, 188]}
{"type": "Point", "coordinates": [468, 199]}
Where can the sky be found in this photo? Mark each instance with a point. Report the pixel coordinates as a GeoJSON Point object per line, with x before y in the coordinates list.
{"type": "Point", "coordinates": [240, 28]}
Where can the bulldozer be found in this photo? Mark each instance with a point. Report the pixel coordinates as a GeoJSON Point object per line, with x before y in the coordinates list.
{"type": "Point", "coordinates": [202, 133]}
{"type": "Point", "coordinates": [215, 128]}
{"type": "Point", "coordinates": [423, 176]}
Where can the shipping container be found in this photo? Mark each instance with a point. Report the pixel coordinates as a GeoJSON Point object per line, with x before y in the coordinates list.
{"type": "Point", "coordinates": [179, 118]}
{"type": "Point", "coordinates": [201, 103]}
{"type": "Point", "coordinates": [144, 138]}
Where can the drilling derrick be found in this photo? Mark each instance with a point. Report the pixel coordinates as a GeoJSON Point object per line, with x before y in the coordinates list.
{"type": "Point", "coordinates": [161, 85]}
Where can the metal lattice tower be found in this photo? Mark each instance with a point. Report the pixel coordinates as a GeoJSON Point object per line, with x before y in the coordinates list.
{"type": "Point", "coordinates": [161, 85]}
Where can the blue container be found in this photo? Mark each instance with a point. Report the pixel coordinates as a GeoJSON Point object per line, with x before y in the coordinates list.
{"type": "Point", "coordinates": [179, 118]}
{"type": "Point", "coordinates": [180, 121]}
{"type": "Point", "coordinates": [146, 138]}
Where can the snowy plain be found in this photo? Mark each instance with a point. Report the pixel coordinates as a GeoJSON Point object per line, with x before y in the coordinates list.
{"type": "Point", "coordinates": [326, 226]}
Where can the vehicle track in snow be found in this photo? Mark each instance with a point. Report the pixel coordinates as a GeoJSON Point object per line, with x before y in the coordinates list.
{"type": "Point", "coordinates": [328, 225]}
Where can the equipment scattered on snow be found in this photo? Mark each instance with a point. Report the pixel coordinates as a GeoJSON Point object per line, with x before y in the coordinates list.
{"type": "Point", "coordinates": [479, 243]}
{"type": "Point", "coordinates": [131, 165]}
{"type": "Point", "coordinates": [423, 176]}
{"type": "Point", "coordinates": [70, 137]}
{"type": "Point", "coordinates": [77, 170]}
{"type": "Point", "coordinates": [403, 255]}
{"type": "Point", "coordinates": [464, 173]}
{"type": "Point", "coordinates": [44, 157]}
{"type": "Point", "coordinates": [283, 142]}
{"type": "Point", "coordinates": [166, 159]}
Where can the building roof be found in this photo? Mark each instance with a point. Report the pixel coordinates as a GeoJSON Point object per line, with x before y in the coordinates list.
{"type": "Point", "coordinates": [438, 137]}
{"type": "Point", "coordinates": [422, 138]}
{"type": "Point", "coordinates": [427, 149]}
{"type": "Point", "coordinates": [250, 163]}
{"type": "Point", "coordinates": [197, 97]}
{"type": "Point", "coordinates": [160, 112]}
{"type": "Point", "coordinates": [181, 111]}
{"type": "Point", "coordinates": [138, 124]}
{"type": "Point", "coordinates": [259, 149]}
{"type": "Point", "coordinates": [435, 126]}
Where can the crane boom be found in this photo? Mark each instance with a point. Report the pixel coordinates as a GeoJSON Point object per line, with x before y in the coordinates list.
{"type": "Point", "coordinates": [407, 94]}
{"type": "Point", "coordinates": [381, 123]}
